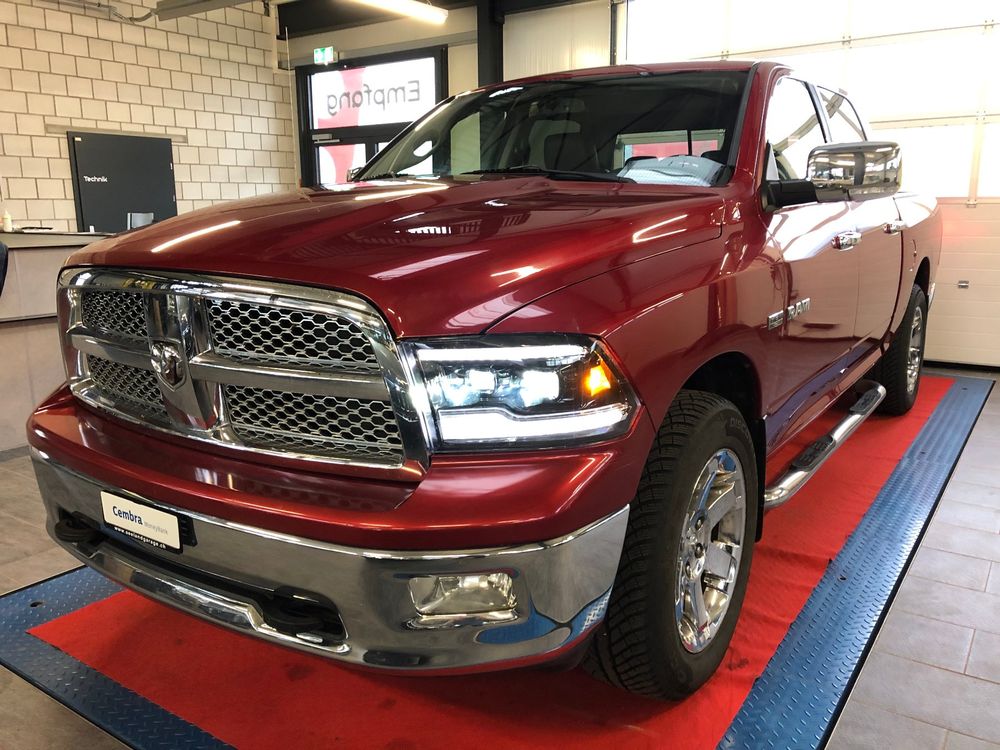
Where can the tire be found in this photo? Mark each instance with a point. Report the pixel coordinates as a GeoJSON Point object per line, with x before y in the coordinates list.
{"type": "Point", "coordinates": [639, 646]}
{"type": "Point", "coordinates": [901, 366]}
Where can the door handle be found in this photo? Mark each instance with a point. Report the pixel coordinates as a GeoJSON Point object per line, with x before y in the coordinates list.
{"type": "Point", "coordinates": [846, 240]}
{"type": "Point", "coordinates": [893, 227]}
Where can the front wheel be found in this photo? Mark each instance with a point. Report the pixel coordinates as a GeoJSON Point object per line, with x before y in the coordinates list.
{"type": "Point", "coordinates": [901, 366]}
{"type": "Point", "coordinates": [686, 556]}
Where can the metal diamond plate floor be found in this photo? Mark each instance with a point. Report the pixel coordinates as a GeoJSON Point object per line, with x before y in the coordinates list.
{"type": "Point", "coordinates": [795, 702]}
{"type": "Point", "coordinates": [126, 715]}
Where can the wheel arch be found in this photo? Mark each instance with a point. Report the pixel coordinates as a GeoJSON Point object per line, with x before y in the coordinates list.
{"type": "Point", "coordinates": [923, 277]}
{"type": "Point", "coordinates": [733, 376]}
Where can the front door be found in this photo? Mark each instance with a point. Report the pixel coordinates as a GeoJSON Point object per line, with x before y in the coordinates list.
{"type": "Point", "coordinates": [817, 326]}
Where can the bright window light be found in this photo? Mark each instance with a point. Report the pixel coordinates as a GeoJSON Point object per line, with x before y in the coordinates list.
{"type": "Point", "coordinates": [937, 160]}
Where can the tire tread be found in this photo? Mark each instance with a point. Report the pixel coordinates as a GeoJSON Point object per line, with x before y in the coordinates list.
{"type": "Point", "coordinates": [620, 653]}
{"type": "Point", "coordinates": [890, 370]}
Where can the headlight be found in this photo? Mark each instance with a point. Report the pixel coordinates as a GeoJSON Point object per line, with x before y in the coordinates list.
{"type": "Point", "coordinates": [509, 391]}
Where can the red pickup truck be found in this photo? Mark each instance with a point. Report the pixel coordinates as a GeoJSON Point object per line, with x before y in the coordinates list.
{"type": "Point", "coordinates": [514, 394]}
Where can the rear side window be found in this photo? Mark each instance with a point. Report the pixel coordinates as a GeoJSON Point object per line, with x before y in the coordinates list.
{"type": "Point", "coordinates": [845, 125]}
{"type": "Point", "coordinates": [792, 129]}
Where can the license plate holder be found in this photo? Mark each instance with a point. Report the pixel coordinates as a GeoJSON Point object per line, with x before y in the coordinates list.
{"type": "Point", "coordinates": [152, 526]}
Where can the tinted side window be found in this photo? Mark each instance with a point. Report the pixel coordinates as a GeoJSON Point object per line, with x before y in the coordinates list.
{"type": "Point", "coordinates": [792, 128]}
{"type": "Point", "coordinates": [845, 125]}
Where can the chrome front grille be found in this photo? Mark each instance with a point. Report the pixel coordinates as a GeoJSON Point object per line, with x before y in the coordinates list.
{"type": "Point", "coordinates": [120, 314]}
{"type": "Point", "coordinates": [307, 423]}
{"type": "Point", "coordinates": [246, 331]}
{"type": "Point", "coordinates": [272, 368]}
{"type": "Point", "coordinates": [132, 387]}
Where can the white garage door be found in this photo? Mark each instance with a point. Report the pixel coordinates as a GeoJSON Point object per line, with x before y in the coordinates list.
{"type": "Point", "coordinates": [923, 74]}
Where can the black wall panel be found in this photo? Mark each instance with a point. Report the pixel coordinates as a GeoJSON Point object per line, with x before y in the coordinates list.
{"type": "Point", "coordinates": [115, 175]}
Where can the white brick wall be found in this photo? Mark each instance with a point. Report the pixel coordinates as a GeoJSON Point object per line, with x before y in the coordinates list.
{"type": "Point", "coordinates": [209, 78]}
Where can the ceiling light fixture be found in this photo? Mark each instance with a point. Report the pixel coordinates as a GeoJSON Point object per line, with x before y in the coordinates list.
{"type": "Point", "coordinates": [421, 11]}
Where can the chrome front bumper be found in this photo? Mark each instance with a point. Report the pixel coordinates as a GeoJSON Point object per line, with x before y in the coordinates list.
{"type": "Point", "coordinates": [233, 573]}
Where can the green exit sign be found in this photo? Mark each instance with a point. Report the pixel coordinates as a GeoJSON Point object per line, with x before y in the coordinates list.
{"type": "Point", "coordinates": [324, 55]}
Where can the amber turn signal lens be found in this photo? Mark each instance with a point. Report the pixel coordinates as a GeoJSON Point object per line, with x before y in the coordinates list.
{"type": "Point", "coordinates": [598, 380]}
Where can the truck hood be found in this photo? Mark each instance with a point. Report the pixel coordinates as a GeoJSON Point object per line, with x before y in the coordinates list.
{"type": "Point", "coordinates": [436, 258]}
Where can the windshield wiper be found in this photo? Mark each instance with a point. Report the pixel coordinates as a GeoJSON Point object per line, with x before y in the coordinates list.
{"type": "Point", "coordinates": [382, 176]}
{"type": "Point", "coordinates": [555, 174]}
{"type": "Point", "coordinates": [397, 175]}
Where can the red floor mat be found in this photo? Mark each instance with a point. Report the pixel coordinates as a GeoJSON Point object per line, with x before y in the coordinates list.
{"type": "Point", "coordinates": [256, 695]}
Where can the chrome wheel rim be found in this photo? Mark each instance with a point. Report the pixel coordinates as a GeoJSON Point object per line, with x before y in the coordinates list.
{"type": "Point", "coordinates": [711, 548]}
{"type": "Point", "coordinates": [916, 350]}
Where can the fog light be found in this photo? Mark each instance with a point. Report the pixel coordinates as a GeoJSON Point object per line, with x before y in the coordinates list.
{"type": "Point", "coordinates": [462, 594]}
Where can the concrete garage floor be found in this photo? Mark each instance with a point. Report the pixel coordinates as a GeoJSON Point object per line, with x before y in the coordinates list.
{"type": "Point", "coordinates": [30, 719]}
{"type": "Point", "coordinates": [932, 679]}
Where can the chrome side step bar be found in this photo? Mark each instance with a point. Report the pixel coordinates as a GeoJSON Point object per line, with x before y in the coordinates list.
{"type": "Point", "coordinates": [808, 462]}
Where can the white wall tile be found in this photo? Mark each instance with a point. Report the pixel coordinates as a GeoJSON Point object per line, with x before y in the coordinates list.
{"type": "Point", "coordinates": [34, 166]}
{"type": "Point", "coordinates": [35, 60]}
{"type": "Point", "coordinates": [16, 145]}
{"type": "Point", "coordinates": [57, 20]}
{"type": "Point", "coordinates": [63, 64]}
{"type": "Point", "coordinates": [50, 41]}
{"type": "Point", "coordinates": [31, 16]}
{"type": "Point", "coordinates": [81, 87]}
{"type": "Point", "coordinates": [47, 147]}
{"type": "Point", "coordinates": [18, 36]}
{"type": "Point", "coordinates": [88, 67]}
{"type": "Point", "coordinates": [75, 45]}
{"type": "Point", "coordinates": [10, 57]}
{"type": "Point", "coordinates": [206, 78]}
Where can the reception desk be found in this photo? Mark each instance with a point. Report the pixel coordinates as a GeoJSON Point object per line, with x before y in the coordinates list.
{"type": "Point", "coordinates": [30, 363]}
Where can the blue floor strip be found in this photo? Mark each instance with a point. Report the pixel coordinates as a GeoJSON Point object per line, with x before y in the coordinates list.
{"type": "Point", "coordinates": [795, 702]}
{"type": "Point", "coordinates": [115, 709]}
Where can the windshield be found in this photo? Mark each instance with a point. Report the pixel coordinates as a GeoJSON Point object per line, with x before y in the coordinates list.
{"type": "Point", "coordinates": [665, 129]}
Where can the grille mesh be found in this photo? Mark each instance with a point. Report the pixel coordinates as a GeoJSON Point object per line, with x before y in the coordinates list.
{"type": "Point", "coordinates": [128, 385]}
{"type": "Point", "coordinates": [247, 331]}
{"type": "Point", "coordinates": [118, 313]}
{"type": "Point", "coordinates": [240, 330]}
{"type": "Point", "coordinates": [319, 425]}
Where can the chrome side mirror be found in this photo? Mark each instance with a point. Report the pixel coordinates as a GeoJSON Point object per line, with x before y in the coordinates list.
{"type": "Point", "coordinates": [854, 171]}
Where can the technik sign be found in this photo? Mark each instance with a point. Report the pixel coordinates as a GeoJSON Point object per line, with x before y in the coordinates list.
{"type": "Point", "coordinates": [373, 95]}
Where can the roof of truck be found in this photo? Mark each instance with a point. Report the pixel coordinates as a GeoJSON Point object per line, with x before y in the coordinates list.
{"type": "Point", "coordinates": [637, 70]}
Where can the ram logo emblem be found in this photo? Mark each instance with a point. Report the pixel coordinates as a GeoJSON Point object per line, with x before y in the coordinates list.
{"type": "Point", "coordinates": [797, 309]}
{"type": "Point", "coordinates": [775, 319]}
{"type": "Point", "coordinates": [167, 362]}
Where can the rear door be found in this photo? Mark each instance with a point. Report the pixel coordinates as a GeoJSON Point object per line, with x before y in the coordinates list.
{"type": "Point", "coordinates": [817, 326]}
{"type": "Point", "coordinates": [879, 248]}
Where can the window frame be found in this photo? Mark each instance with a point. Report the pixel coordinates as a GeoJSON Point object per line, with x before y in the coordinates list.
{"type": "Point", "coordinates": [311, 138]}
{"type": "Point", "coordinates": [818, 108]}
{"type": "Point", "coordinates": [826, 116]}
